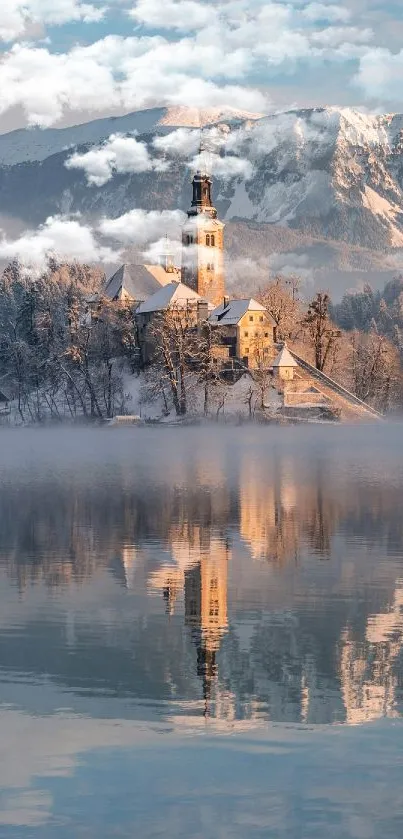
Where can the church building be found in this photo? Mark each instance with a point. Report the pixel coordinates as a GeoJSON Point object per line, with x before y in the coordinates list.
{"type": "Point", "coordinates": [244, 329]}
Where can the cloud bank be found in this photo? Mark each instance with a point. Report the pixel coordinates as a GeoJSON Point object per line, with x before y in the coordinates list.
{"type": "Point", "coordinates": [183, 52]}
{"type": "Point", "coordinates": [70, 239]}
{"type": "Point", "coordinates": [17, 15]}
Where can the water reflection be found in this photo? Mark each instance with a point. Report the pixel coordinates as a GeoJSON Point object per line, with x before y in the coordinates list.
{"type": "Point", "coordinates": [235, 578]}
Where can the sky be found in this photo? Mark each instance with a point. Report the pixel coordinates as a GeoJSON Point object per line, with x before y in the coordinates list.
{"type": "Point", "coordinates": [64, 61]}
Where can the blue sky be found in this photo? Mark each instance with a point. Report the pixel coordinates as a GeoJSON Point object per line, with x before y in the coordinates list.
{"type": "Point", "coordinates": [64, 60]}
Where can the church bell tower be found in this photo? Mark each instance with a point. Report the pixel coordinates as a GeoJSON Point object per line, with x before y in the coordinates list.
{"type": "Point", "coordinates": [203, 244]}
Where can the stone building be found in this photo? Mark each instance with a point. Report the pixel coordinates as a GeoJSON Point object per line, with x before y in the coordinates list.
{"type": "Point", "coordinates": [174, 296]}
{"type": "Point", "coordinates": [203, 244]}
{"type": "Point", "coordinates": [247, 332]}
{"type": "Point", "coordinates": [284, 366]}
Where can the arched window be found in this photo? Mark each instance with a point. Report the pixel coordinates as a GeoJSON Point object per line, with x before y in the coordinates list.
{"type": "Point", "coordinates": [208, 240]}
{"type": "Point", "coordinates": [212, 241]}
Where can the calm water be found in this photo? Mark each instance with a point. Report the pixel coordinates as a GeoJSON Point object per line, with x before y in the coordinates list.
{"type": "Point", "coordinates": [201, 633]}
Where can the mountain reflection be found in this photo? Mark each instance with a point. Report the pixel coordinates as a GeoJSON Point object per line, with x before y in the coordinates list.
{"type": "Point", "coordinates": [196, 579]}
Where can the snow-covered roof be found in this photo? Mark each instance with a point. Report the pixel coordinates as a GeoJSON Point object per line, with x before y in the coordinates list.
{"type": "Point", "coordinates": [231, 313]}
{"type": "Point", "coordinates": [137, 281]}
{"type": "Point", "coordinates": [175, 292]}
{"type": "Point", "coordinates": [285, 359]}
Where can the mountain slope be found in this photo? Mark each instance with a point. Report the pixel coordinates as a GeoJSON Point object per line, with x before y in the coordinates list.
{"type": "Point", "coordinates": [36, 144]}
{"type": "Point", "coordinates": [320, 177]}
{"type": "Point", "coordinates": [327, 172]}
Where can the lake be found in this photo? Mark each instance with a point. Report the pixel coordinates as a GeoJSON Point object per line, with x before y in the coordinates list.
{"type": "Point", "coordinates": [201, 633]}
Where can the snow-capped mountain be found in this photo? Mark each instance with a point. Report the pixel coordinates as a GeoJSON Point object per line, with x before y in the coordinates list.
{"type": "Point", "coordinates": [36, 144]}
{"type": "Point", "coordinates": [329, 172]}
{"type": "Point", "coordinates": [326, 174]}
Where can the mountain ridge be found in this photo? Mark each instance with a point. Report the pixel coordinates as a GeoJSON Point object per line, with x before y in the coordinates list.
{"type": "Point", "coordinates": [330, 175]}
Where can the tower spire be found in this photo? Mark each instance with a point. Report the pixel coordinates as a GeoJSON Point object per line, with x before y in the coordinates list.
{"type": "Point", "coordinates": [202, 237]}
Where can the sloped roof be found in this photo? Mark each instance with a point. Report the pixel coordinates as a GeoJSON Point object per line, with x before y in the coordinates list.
{"type": "Point", "coordinates": [231, 314]}
{"type": "Point", "coordinates": [175, 292]}
{"type": "Point", "coordinates": [285, 359]}
{"type": "Point", "coordinates": [162, 275]}
{"type": "Point", "coordinates": [137, 281]}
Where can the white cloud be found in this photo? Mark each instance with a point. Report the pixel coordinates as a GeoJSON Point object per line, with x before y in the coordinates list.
{"type": "Point", "coordinates": [211, 52]}
{"type": "Point", "coordinates": [330, 13]}
{"type": "Point", "coordinates": [139, 227]}
{"type": "Point", "coordinates": [183, 142]}
{"type": "Point", "coordinates": [17, 15]}
{"type": "Point", "coordinates": [61, 237]}
{"type": "Point", "coordinates": [183, 15]}
{"type": "Point", "coordinates": [223, 167]}
{"type": "Point", "coordinates": [380, 74]}
{"type": "Point", "coordinates": [119, 155]}
{"type": "Point", "coordinates": [68, 239]}
{"type": "Point", "coordinates": [153, 253]}
{"type": "Point", "coordinates": [116, 72]}
{"type": "Point", "coordinates": [125, 154]}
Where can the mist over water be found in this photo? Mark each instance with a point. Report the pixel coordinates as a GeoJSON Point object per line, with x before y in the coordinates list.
{"type": "Point", "coordinates": [156, 584]}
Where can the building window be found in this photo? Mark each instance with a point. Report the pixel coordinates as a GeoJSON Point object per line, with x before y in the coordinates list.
{"type": "Point", "coordinates": [208, 240]}
{"type": "Point", "coordinates": [247, 350]}
{"type": "Point", "coordinates": [189, 240]}
{"type": "Point", "coordinates": [246, 333]}
{"type": "Point", "coordinates": [214, 609]}
{"type": "Point", "coordinates": [212, 240]}
{"type": "Point", "coordinates": [261, 318]}
{"type": "Point", "coordinates": [266, 334]}
{"type": "Point", "coordinates": [251, 318]}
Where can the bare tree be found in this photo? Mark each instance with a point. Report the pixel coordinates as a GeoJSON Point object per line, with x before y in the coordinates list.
{"type": "Point", "coordinates": [172, 336]}
{"type": "Point", "coordinates": [281, 298]}
{"type": "Point", "coordinates": [376, 370]}
{"type": "Point", "coordinates": [323, 334]}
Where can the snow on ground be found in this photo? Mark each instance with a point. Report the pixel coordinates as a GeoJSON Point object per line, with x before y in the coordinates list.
{"type": "Point", "coordinates": [232, 399]}
{"type": "Point", "coordinates": [381, 207]}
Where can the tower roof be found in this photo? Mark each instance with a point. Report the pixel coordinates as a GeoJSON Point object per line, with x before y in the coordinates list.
{"type": "Point", "coordinates": [201, 198]}
{"type": "Point", "coordinates": [285, 359]}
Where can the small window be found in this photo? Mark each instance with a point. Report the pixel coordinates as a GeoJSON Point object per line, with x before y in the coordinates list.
{"type": "Point", "coordinates": [251, 318]}
{"type": "Point", "coordinates": [261, 318]}
{"type": "Point", "coordinates": [246, 333]}
{"type": "Point", "coordinates": [214, 609]}
{"type": "Point", "coordinates": [212, 241]}
{"type": "Point", "coordinates": [247, 350]}
{"type": "Point", "coordinates": [266, 334]}
{"type": "Point", "coordinates": [189, 240]}
{"type": "Point", "coordinates": [208, 240]}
